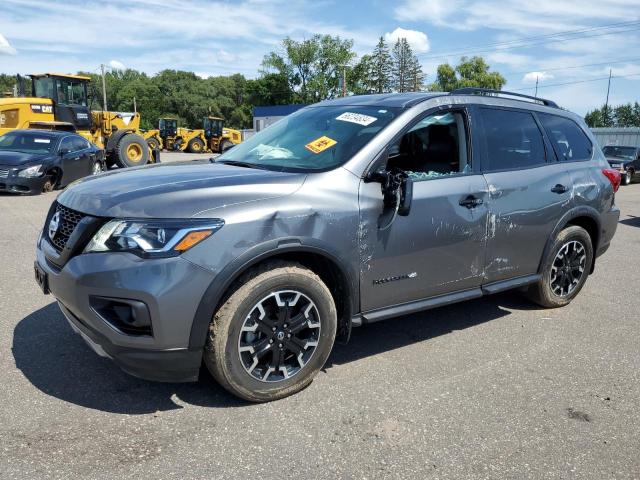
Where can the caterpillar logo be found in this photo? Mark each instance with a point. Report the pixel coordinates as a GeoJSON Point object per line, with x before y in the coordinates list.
{"type": "Point", "coordinates": [406, 276]}
{"type": "Point", "coordinates": [38, 108]}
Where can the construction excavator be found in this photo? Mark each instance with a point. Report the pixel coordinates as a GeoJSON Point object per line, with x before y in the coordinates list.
{"type": "Point", "coordinates": [59, 102]}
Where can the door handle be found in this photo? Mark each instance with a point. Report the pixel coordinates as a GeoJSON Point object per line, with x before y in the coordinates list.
{"type": "Point", "coordinates": [559, 188]}
{"type": "Point", "coordinates": [470, 201]}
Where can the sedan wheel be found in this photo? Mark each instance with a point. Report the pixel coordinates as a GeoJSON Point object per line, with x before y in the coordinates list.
{"type": "Point", "coordinates": [96, 168]}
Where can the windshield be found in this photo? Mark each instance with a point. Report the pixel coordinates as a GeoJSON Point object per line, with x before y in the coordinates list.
{"type": "Point", "coordinates": [312, 139]}
{"type": "Point", "coordinates": [622, 152]}
{"type": "Point", "coordinates": [38, 144]}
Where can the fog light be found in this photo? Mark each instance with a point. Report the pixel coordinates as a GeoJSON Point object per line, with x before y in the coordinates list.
{"type": "Point", "coordinates": [127, 316]}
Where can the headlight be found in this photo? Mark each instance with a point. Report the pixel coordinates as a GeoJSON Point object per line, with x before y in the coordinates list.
{"type": "Point", "coordinates": [30, 172]}
{"type": "Point", "coordinates": [152, 238]}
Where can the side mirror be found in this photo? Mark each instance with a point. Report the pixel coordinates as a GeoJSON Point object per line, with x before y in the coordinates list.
{"type": "Point", "coordinates": [397, 186]}
{"type": "Point", "coordinates": [63, 151]}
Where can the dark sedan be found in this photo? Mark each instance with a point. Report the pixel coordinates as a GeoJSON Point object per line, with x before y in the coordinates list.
{"type": "Point", "coordinates": [624, 159]}
{"type": "Point", "coordinates": [33, 161]}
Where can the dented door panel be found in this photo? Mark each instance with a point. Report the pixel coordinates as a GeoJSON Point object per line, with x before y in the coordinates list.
{"type": "Point", "coordinates": [523, 211]}
{"type": "Point", "coordinates": [438, 248]}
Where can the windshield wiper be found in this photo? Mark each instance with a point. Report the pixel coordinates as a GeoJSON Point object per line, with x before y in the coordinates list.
{"type": "Point", "coordinates": [238, 163]}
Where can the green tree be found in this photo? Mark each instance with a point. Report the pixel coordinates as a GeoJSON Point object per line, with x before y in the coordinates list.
{"type": "Point", "coordinates": [380, 69]}
{"type": "Point", "coordinates": [312, 67]}
{"type": "Point", "coordinates": [360, 77]}
{"type": "Point", "coordinates": [470, 72]}
{"type": "Point", "coordinates": [402, 58]}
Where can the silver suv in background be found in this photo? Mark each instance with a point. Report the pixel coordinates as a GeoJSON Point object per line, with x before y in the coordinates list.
{"type": "Point", "coordinates": [346, 212]}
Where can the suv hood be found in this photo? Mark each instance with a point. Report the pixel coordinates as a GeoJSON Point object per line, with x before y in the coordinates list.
{"type": "Point", "coordinates": [14, 159]}
{"type": "Point", "coordinates": [179, 190]}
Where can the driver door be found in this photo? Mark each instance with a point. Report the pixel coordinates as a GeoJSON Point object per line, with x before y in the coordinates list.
{"type": "Point", "coordinates": [439, 247]}
{"type": "Point", "coordinates": [70, 160]}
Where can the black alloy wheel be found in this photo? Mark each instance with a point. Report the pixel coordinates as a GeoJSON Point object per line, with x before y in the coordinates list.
{"type": "Point", "coordinates": [279, 336]}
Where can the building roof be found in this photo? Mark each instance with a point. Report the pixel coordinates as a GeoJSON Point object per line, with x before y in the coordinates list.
{"type": "Point", "coordinates": [276, 110]}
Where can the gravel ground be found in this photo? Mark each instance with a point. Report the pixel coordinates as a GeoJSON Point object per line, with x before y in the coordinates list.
{"type": "Point", "coordinates": [492, 388]}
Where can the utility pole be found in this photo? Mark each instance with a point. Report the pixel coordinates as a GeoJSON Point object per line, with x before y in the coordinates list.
{"type": "Point", "coordinates": [135, 109]}
{"type": "Point", "coordinates": [606, 103]}
{"type": "Point", "coordinates": [536, 95]}
{"type": "Point", "coordinates": [104, 89]}
{"type": "Point", "coordinates": [344, 80]}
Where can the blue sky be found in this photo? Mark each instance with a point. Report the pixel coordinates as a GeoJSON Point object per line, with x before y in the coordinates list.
{"type": "Point", "coordinates": [217, 38]}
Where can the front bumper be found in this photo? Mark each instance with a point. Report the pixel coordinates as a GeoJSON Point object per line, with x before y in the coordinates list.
{"type": "Point", "coordinates": [171, 288]}
{"type": "Point", "coordinates": [15, 184]}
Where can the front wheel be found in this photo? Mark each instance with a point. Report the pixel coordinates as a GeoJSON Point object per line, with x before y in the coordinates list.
{"type": "Point", "coordinates": [273, 333]}
{"type": "Point", "coordinates": [626, 178]}
{"type": "Point", "coordinates": [565, 269]}
{"type": "Point", "coordinates": [97, 168]}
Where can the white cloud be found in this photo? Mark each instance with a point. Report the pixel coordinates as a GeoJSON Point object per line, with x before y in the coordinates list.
{"type": "Point", "coordinates": [512, 59]}
{"type": "Point", "coordinates": [418, 40]}
{"type": "Point", "coordinates": [435, 11]}
{"type": "Point", "coordinates": [531, 77]}
{"type": "Point", "coordinates": [116, 65]}
{"type": "Point", "coordinates": [5, 46]}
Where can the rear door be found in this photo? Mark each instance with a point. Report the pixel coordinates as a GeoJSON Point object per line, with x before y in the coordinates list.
{"type": "Point", "coordinates": [528, 191]}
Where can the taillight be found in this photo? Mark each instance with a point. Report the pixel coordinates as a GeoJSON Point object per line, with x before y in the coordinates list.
{"type": "Point", "coordinates": [614, 177]}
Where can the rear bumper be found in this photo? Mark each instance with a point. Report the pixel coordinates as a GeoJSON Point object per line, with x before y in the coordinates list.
{"type": "Point", "coordinates": [608, 226]}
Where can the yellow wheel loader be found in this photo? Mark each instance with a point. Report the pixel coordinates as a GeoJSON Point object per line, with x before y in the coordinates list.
{"type": "Point", "coordinates": [59, 102]}
{"type": "Point", "coordinates": [212, 138]}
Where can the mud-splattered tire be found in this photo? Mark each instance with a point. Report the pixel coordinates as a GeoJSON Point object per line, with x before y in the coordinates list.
{"type": "Point", "coordinates": [565, 268]}
{"type": "Point", "coordinates": [255, 314]}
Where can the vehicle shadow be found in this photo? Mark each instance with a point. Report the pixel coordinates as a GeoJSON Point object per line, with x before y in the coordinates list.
{"type": "Point", "coordinates": [58, 362]}
{"type": "Point", "coordinates": [632, 221]}
{"type": "Point", "coordinates": [418, 327]}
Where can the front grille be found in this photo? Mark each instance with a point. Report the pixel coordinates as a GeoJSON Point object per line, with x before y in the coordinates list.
{"type": "Point", "coordinates": [68, 220]}
{"type": "Point", "coordinates": [4, 172]}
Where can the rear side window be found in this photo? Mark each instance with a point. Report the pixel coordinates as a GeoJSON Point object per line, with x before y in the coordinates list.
{"type": "Point", "coordinates": [79, 144]}
{"type": "Point", "coordinates": [569, 141]}
{"type": "Point", "coordinates": [512, 138]}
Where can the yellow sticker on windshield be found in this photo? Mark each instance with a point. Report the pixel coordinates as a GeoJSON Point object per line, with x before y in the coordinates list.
{"type": "Point", "coordinates": [320, 144]}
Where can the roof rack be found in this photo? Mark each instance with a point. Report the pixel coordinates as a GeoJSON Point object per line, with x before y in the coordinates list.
{"type": "Point", "coordinates": [496, 93]}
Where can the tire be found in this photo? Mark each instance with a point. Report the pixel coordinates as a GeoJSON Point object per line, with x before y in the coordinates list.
{"type": "Point", "coordinates": [153, 143]}
{"type": "Point", "coordinates": [132, 151]}
{"type": "Point", "coordinates": [97, 168]}
{"type": "Point", "coordinates": [236, 324]}
{"type": "Point", "coordinates": [627, 177]}
{"type": "Point", "coordinates": [195, 145]}
{"type": "Point", "coordinates": [225, 145]}
{"type": "Point", "coordinates": [49, 185]}
{"type": "Point", "coordinates": [547, 292]}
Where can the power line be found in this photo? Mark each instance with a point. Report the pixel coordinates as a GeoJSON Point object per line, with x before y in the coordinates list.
{"type": "Point", "coordinates": [575, 82]}
{"type": "Point", "coordinates": [556, 69]}
{"type": "Point", "coordinates": [524, 43]}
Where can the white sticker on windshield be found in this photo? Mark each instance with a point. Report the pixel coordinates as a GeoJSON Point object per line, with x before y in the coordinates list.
{"type": "Point", "coordinates": [41, 140]}
{"type": "Point", "coordinates": [358, 118]}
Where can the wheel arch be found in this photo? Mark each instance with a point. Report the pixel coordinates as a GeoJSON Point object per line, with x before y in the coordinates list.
{"type": "Point", "coordinates": [328, 266]}
{"type": "Point", "coordinates": [585, 217]}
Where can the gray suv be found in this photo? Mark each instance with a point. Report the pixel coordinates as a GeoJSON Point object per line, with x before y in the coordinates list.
{"type": "Point", "coordinates": [346, 212]}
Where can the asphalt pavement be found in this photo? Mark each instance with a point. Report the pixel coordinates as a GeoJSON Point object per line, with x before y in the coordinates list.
{"type": "Point", "coordinates": [492, 388]}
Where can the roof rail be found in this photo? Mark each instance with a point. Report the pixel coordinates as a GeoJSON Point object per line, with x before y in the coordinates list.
{"type": "Point", "coordinates": [495, 93]}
